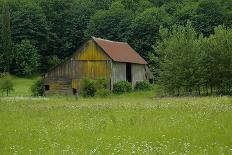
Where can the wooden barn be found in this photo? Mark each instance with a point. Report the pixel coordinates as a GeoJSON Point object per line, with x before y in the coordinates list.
{"type": "Point", "coordinates": [98, 58]}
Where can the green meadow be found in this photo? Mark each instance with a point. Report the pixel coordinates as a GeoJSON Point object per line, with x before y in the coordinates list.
{"type": "Point", "coordinates": [22, 85]}
{"type": "Point", "coordinates": [134, 123]}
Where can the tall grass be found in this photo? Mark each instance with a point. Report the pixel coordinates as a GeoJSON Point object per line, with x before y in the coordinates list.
{"type": "Point", "coordinates": [135, 123]}
{"type": "Point", "coordinates": [22, 85]}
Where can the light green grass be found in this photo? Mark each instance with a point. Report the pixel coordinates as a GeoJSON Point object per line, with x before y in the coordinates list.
{"type": "Point", "coordinates": [22, 85]}
{"type": "Point", "coordinates": [135, 123]}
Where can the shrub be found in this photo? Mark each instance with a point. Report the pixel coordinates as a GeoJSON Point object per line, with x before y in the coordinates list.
{"type": "Point", "coordinates": [142, 85]}
{"type": "Point", "coordinates": [37, 88]}
{"type": "Point", "coordinates": [102, 83]}
{"type": "Point", "coordinates": [2, 75]}
{"type": "Point", "coordinates": [103, 92]}
{"type": "Point", "coordinates": [6, 84]}
{"type": "Point", "coordinates": [89, 88]}
{"type": "Point", "coordinates": [122, 87]}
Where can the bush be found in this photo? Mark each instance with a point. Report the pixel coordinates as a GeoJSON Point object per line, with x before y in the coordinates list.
{"type": "Point", "coordinates": [89, 88]}
{"type": "Point", "coordinates": [103, 92]}
{"type": "Point", "coordinates": [2, 75]}
{"type": "Point", "coordinates": [37, 88]}
{"type": "Point", "coordinates": [6, 84]}
{"type": "Point", "coordinates": [143, 85]}
{"type": "Point", "coordinates": [102, 83]}
{"type": "Point", "coordinates": [122, 87]}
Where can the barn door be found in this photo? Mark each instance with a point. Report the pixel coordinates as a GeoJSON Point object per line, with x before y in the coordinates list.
{"type": "Point", "coordinates": [128, 72]}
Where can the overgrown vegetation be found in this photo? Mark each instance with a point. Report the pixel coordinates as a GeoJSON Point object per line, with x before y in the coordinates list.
{"type": "Point", "coordinates": [97, 87]}
{"type": "Point", "coordinates": [121, 87]}
{"type": "Point", "coordinates": [89, 88]}
{"type": "Point", "coordinates": [143, 85]}
{"type": "Point", "coordinates": [37, 88]}
{"type": "Point", "coordinates": [103, 92]}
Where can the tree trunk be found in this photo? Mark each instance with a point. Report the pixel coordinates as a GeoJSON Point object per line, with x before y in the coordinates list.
{"type": "Point", "coordinates": [211, 89]}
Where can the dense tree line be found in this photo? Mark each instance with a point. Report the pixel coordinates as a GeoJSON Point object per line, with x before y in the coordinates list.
{"type": "Point", "coordinates": [51, 30]}
{"type": "Point", "coordinates": [193, 64]}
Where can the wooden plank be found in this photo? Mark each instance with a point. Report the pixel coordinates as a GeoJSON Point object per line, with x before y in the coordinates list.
{"type": "Point", "coordinates": [138, 73]}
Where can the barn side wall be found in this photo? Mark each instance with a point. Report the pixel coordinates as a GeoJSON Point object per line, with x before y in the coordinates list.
{"type": "Point", "coordinates": [59, 79]}
{"type": "Point", "coordinates": [90, 61]}
{"type": "Point", "coordinates": [138, 73]}
{"type": "Point", "coordinates": [118, 72]}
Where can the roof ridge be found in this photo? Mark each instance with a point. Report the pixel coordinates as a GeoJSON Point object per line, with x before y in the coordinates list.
{"type": "Point", "coordinates": [110, 40]}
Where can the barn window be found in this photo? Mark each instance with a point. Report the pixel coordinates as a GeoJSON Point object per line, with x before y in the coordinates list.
{"type": "Point", "coordinates": [47, 87]}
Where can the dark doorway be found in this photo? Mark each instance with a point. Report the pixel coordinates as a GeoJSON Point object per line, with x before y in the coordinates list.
{"type": "Point", "coordinates": [128, 72]}
{"type": "Point", "coordinates": [74, 91]}
{"type": "Point", "coordinates": [47, 87]}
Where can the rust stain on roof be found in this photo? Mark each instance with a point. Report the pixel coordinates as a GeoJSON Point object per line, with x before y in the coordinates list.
{"type": "Point", "coordinates": [120, 51]}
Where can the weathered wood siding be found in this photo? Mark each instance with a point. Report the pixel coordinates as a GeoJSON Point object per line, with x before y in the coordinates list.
{"type": "Point", "coordinates": [63, 70]}
{"type": "Point", "coordinates": [59, 86]}
{"type": "Point", "coordinates": [90, 61]}
{"type": "Point", "coordinates": [59, 79]}
{"type": "Point", "coordinates": [90, 51]}
{"type": "Point", "coordinates": [138, 73]}
{"type": "Point", "coordinates": [118, 72]}
{"type": "Point", "coordinates": [90, 69]}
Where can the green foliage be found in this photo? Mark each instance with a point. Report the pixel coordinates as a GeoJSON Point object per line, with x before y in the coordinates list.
{"type": "Point", "coordinates": [121, 87]}
{"type": "Point", "coordinates": [102, 83]}
{"type": "Point", "coordinates": [6, 84]}
{"type": "Point", "coordinates": [67, 23]}
{"type": "Point", "coordinates": [102, 87]}
{"type": "Point", "coordinates": [26, 58]}
{"type": "Point", "coordinates": [52, 61]}
{"type": "Point", "coordinates": [216, 61]}
{"type": "Point", "coordinates": [95, 88]}
{"type": "Point", "coordinates": [103, 92]}
{"type": "Point", "coordinates": [28, 22]}
{"type": "Point", "coordinates": [56, 28]}
{"type": "Point", "coordinates": [145, 29]}
{"type": "Point", "coordinates": [89, 88]}
{"type": "Point", "coordinates": [6, 53]}
{"type": "Point", "coordinates": [142, 85]}
{"type": "Point", "coordinates": [37, 88]}
{"type": "Point", "coordinates": [111, 24]}
{"type": "Point", "coordinates": [209, 14]}
{"type": "Point", "coordinates": [191, 64]}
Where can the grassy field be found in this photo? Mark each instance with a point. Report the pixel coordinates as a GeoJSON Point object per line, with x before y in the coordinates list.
{"type": "Point", "coordinates": [22, 85]}
{"type": "Point", "coordinates": [135, 123]}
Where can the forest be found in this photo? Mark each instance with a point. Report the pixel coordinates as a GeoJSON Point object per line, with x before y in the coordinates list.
{"type": "Point", "coordinates": [187, 43]}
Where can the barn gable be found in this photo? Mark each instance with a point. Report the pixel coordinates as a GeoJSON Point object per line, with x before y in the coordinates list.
{"type": "Point", "coordinates": [90, 51]}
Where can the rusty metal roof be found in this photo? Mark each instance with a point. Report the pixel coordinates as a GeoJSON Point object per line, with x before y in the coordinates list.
{"type": "Point", "coordinates": [120, 51]}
